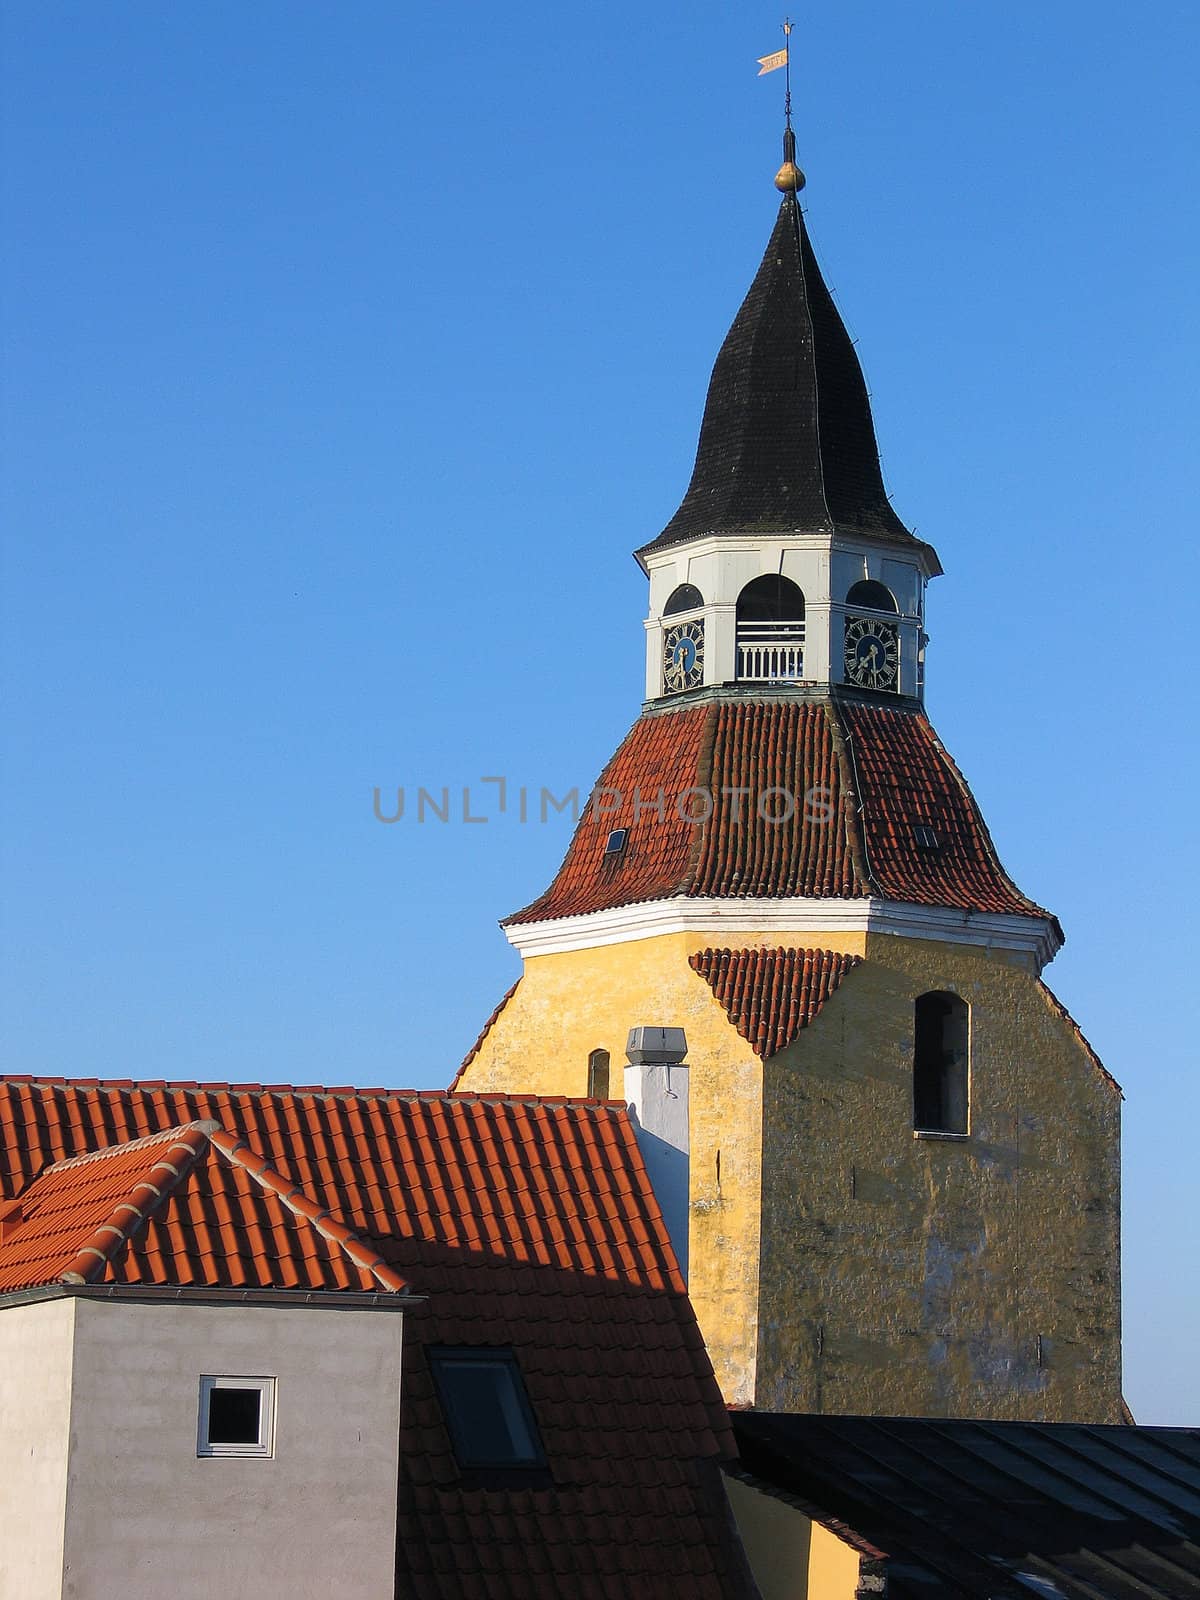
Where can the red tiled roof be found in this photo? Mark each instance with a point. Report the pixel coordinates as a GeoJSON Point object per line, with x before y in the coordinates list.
{"type": "Point", "coordinates": [658, 754]}
{"type": "Point", "coordinates": [771, 994]}
{"type": "Point", "coordinates": [815, 797]}
{"type": "Point", "coordinates": [189, 1207]}
{"type": "Point", "coordinates": [527, 1223]}
{"type": "Point", "coordinates": [904, 778]}
{"type": "Point", "coordinates": [784, 746]}
{"type": "Point", "coordinates": [483, 1033]}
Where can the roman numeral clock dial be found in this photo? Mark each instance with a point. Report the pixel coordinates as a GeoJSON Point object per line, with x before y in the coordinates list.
{"type": "Point", "coordinates": [872, 653]}
{"type": "Point", "coordinates": [683, 657]}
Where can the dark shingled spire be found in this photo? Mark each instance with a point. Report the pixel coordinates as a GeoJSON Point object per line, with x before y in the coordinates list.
{"type": "Point", "coordinates": [787, 440]}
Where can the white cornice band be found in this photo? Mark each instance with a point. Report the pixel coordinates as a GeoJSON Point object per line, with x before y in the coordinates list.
{"type": "Point", "coordinates": [1035, 936]}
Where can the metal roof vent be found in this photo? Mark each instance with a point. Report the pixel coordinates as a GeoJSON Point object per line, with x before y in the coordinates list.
{"type": "Point", "coordinates": [665, 1046]}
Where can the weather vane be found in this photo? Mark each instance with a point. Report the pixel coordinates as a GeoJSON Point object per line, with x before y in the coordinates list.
{"type": "Point", "coordinates": [772, 63]}
{"type": "Point", "coordinates": [789, 179]}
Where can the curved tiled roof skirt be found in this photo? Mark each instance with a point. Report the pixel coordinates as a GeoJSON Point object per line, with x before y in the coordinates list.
{"type": "Point", "coordinates": [787, 441]}
{"type": "Point", "coordinates": [816, 797]}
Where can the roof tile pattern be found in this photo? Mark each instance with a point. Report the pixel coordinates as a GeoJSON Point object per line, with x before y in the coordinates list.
{"type": "Point", "coordinates": [778, 825]}
{"type": "Point", "coordinates": [787, 439]}
{"type": "Point", "coordinates": [770, 995]}
{"type": "Point", "coordinates": [189, 1207]}
{"type": "Point", "coordinates": [659, 756]}
{"type": "Point", "coordinates": [816, 797]}
{"type": "Point", "coordinates": [905, 777]}
{"type": "Point", "coordinates": [528, 1223]}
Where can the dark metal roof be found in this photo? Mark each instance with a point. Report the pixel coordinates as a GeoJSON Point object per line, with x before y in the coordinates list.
{"type": "Point", "coordinates": [787, 440]}
{"type": "Point", "coordinates": [997, 1509]}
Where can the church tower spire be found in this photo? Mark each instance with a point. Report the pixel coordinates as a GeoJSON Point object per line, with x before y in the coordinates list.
{"type": "Point", "coordinates": [787, 444]}
{"type": "Point", "coordinates": [785, 501]}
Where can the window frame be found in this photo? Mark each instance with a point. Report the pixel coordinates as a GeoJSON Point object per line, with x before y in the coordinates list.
{"type": "Point", "coordinates": [439, 1358]}
{"type": "Point", "coordinates": [264, 1448]}
{"type": "Point", "coordinates": [964, 1067]}
{"type": "Point", "coordinates": [892, 609]}
{"type": "Point", "coordinates": [773, 592]}
{"type": "Point", "coordinates": [685, 607]}
{"type": "Point", "coordinates": [594, 1064]}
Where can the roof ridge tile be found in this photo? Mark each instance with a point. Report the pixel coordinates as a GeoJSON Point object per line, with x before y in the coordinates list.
{"type": "Point", "coordinates": [242, 1153]}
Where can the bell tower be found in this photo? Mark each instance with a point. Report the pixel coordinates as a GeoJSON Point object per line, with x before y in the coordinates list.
{"type": "Point", "coordinates": [901, 1158]}
{"type": "Point", "coordinates": [786, 564]}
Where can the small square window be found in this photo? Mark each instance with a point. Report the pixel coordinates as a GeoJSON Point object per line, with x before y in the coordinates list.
{"type": "Point", "coordinates": [486, 1407]}
{"type": "Point", "coordinates": [616, 841]}
{"type": "Point", "coordinates": [926, 837]}
{"type": "Point", "coordinates": [237, 1417]}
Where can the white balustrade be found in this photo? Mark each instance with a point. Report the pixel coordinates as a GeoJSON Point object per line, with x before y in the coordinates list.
{"type": "Point", "coordinates": [770, 652]}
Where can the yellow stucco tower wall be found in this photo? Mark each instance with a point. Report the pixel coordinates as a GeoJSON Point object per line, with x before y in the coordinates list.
{"type": "Point", "coordinates": [838, 1262]}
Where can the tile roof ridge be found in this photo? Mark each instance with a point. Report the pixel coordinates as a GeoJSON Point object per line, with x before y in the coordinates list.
{"type": "Point", "coordinates": [483, 1033]}
{"type": "Point", "coordinates": [241, 1153]}
{"type": "Point", "coordinates": [186, 1143]}
{"type": "Point", "coordinates": [704, 781]}
{"type": "Point", "coordinates": [1060, 1010]}
{"type": "Point", "coordinates": [197, 1086]}
{"type": "Point", "coordinates": [345, 1092]}
{"type": "Point", "coordinates": [507, 1098]}
{"type": "Point", "coordinates": [842, 739]}
{"type": "Point", "coordinates": [106, 1152]}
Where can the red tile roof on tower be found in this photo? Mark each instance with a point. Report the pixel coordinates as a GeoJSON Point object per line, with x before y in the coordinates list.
{"type": "Point", "coordinates": [526, 1223]}
{"type": "Point", "coordinates": [816, 796]}
{"type": "Point", "coordinates": [770, 995]}
{"type": "Point", "coordinates": [190, 1207]}
{"type": "Point", "coordinates": [905, 779]}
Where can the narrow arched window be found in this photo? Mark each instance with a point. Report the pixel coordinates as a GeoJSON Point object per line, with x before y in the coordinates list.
{"type": "Point", "coordinates": [871, 596]}
{"type": "Point", "coordinates": [770, 630]}
{"type": "Point", "coordinates": [941, 1027]}
{"type": "Point", "coordinates": [598, 1075]}
{"type": "Point", "coordinates": [686, 598]}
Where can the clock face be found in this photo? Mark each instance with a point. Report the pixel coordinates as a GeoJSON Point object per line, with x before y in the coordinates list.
{"type": "Point", "coordinates": [872, 653]}
{"type": "Point", "coordinates": [683, 657]}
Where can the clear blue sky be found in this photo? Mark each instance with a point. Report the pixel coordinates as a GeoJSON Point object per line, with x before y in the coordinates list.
{"type": "Point", "coordinates": [351, 349]}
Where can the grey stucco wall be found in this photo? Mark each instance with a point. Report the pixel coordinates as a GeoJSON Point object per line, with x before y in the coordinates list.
{"type": "Point", "coordinates": [146, 1516]}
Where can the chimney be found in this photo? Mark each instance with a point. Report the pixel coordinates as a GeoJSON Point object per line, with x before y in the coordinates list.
{"type": "Point", "coordinates": [656, 1087]}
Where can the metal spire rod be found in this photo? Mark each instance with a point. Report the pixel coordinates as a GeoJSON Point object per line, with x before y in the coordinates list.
{"type": "Point", "coordinates": [787, 72]}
